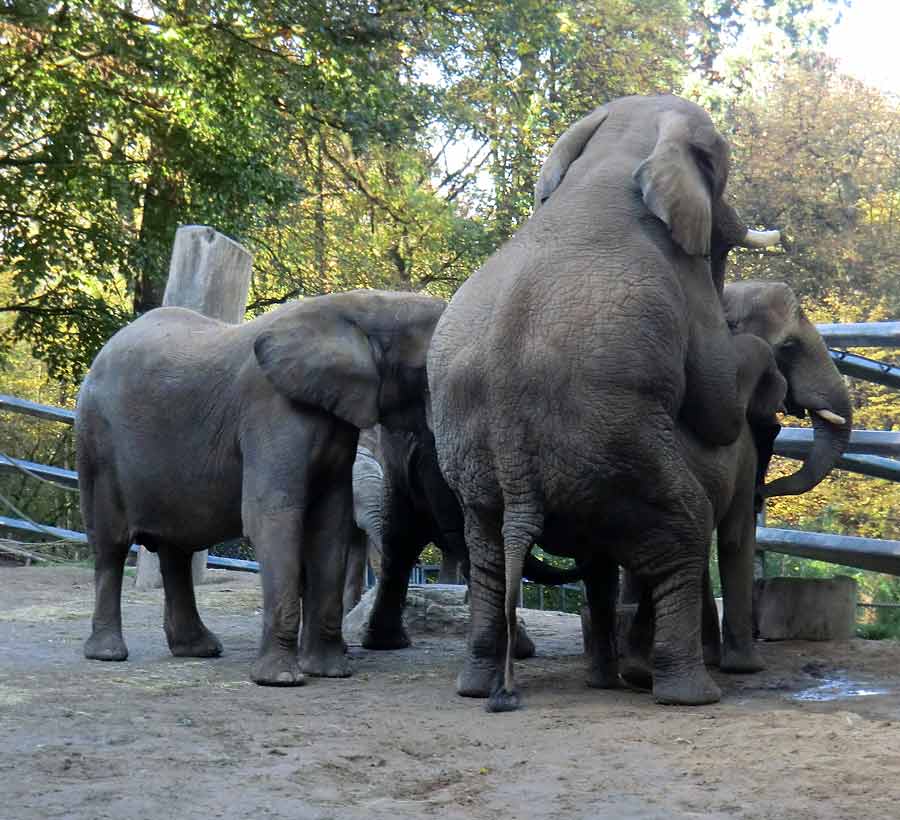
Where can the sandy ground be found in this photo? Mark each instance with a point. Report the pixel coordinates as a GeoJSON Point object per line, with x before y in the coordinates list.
{"type": "Point", "coordinates": [158, 737]}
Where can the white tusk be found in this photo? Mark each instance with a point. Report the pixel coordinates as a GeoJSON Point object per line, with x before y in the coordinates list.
{"type": "Point", "coordinates": [761, 239]}
{"type": "Point", "coordinates": [834, 418]}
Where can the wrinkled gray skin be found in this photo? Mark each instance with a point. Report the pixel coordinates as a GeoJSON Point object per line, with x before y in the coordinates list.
{"type": "Point", "coordinates": [191, 431]}
{"type": "Point", "coordinates": [368, 480]}
{"type": "Point", "coordinates": [409, 507]}
{"type": "Point", "coordinates": [560, 369]}
{"type": "Point", "coordinates": [734, 475]}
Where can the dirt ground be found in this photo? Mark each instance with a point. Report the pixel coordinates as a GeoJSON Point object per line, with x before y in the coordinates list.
{"type": "Point", "coordinates": [816, 736]}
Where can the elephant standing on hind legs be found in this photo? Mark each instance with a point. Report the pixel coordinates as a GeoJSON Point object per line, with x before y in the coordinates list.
{"type": "Point", "coordinates": [560, 371]}
{"type": "Point", "coordinates": [191, 431]}
{"type": "Point", "coordinates": [734, 476]}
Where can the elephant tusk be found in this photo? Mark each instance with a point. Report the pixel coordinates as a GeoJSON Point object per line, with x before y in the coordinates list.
{"type": "Point", "coordinates": [834, 418]}
{"type": "Point", "coordinates": [761, 239]}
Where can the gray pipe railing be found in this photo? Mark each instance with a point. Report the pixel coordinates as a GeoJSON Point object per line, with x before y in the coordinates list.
{"type": "Point", "coordinates": [870, 452]}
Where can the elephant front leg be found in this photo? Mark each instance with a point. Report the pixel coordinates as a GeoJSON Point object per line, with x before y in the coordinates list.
{"type": "Point", "coordinates": [385, 628]}
{"type": "Point", "coordinates": [277, 538]}
{"type": "Point", "coordinates": [736, 546]}
{"type": "Point", "coordinates": [186, 633]}
{"type": "Point", "coordinates": [330, 529]}
{"type": "Point", "coordinates": [483, 667]}
{"type": "Point", "coordinates": [601, 586]}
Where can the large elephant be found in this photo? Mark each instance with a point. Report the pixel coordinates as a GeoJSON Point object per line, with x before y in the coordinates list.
{"type": "Point", "coordinates": [403, 504]}
{"type": "Point", "coordinates": [734, 476]}
{"type": "Point", "coordinates": [560, 371]}
{"type": "Point", "coordinates": [191, 431]}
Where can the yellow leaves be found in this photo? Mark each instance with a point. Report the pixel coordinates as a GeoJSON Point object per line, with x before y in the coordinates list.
{"type": "Point", "coordinates": [566, 24]}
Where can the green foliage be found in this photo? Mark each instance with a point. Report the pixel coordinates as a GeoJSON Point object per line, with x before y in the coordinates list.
{"type": "Point", "coordinates": [885, 626]}
{"type": "Point", "coordinates": [395, 146]}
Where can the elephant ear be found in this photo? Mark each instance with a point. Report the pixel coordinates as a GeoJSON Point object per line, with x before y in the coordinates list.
{"type": "Point", "coordinates": [678, 180]}
{"type": "Point", "coordinates": [566, 150]}
{"type": "Point", "coordinates": [322, 359]}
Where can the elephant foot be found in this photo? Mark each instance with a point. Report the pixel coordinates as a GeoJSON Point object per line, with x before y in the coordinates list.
{"type": "Point", "coordinates": [202, 644]}
{"type": "Point", "coordinates": [693, 688]}
{"type": "Point", "coordinates": [330, 661]}
{"type": "Point", "coordinates": [277, 669]}
{"type": "Point", "coordinates": [478, 678]}
{"type": "Point", "coordinates": [637, 673]}
{"type": "Point", "coordinates": [386, 638]}
{"type": "Point", "coordinates": [106, 645]}
{"type": "Point", "coordinates": [741, 661]}
{"type": "Point", "coordinates": [524, 644]}
{"type": "Point", "coordinates": [603, 676]}
{"type": "Point", "coordinates": [501, 700]}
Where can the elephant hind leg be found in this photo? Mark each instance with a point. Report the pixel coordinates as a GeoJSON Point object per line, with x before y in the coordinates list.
{"type": "Point", "coordinates": [679, 675]}
{"type": "Point", "coordinates": [736, 546]}
{"type": "Point", "coordinates": [186, 633]}
{"type": "Point", "coordinates": [108, 535]}
{"type": "Point", "coordinates": [486, 641]}
{"type": "Point", "coordinates": [329, 532]}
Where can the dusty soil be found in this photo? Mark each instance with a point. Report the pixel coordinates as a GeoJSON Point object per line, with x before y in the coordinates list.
{"type": "Point", "coordinates": [158, 737]}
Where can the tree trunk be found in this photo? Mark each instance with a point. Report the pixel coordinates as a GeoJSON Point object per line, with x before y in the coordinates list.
{"type": "Point", "coordinates": [209, 273]}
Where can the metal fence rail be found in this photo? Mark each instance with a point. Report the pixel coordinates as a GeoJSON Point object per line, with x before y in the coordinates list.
{"type": "Point", "coordinates": [861, 334]}
{"type": "Point", "coordinates": [870, 452]}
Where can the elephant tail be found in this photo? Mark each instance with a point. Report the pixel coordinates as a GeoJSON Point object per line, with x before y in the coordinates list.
{"type": "Point", "coordinates": [542, 572]}
{"type": "Point", "coordinates": [518, 539]}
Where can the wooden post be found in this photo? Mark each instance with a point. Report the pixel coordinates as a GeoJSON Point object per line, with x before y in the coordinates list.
{"type": "Point", "coordinates": [209, 273]}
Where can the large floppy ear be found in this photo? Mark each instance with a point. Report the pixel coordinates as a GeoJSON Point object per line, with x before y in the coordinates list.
{"type": "Point", "coordinates": [566, 150]}
{"type": "Point", "coordinates": [321, 358]}
{"type": "Point", "coordinates": [679, 179]}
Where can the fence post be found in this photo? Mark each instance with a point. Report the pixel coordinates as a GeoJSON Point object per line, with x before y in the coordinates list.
{"type": "Point", "coordinates": [209, 273]}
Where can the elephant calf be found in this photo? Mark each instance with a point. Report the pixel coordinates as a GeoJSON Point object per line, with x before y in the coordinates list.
{"type": "Point", "coordinates": [191, 431]}
{"type": "Point", "coordinates": [403, 504]}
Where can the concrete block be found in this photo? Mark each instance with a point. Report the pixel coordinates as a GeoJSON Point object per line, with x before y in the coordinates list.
{"type": "Point", "coordinates": [807, 609]}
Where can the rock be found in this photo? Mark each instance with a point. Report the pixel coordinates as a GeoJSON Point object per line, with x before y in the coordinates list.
{"type": "Point", "coordinates": [435, 609]}
{"type": "Point", "coordinates": [808, 609]}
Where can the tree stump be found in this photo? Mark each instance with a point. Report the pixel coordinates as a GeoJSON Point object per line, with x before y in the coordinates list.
{"type": "Point", "coordinates": [209, 273]}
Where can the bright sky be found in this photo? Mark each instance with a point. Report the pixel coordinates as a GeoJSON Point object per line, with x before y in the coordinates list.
{"type": "Point", "coordinates": [865, 41]}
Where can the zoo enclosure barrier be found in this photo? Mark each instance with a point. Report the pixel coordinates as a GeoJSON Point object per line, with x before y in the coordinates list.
{"type": "Point", "coordinates": [870, 452]}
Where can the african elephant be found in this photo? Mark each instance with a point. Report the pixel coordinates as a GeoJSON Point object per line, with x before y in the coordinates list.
{"type": "Point", "coordinates": [408, 509]}
{"type": "Point", "coordinates": [734, 476]}
{"type": "Point", "coordinates": [191, 431]}
{"type": "Point", "coordinates": [560, 370]}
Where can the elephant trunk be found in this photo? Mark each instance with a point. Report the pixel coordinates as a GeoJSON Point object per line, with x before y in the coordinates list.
{"type": "Point", "coordinates": [541, 572]}
{"type": "Point", "coordinates": [829, 409]}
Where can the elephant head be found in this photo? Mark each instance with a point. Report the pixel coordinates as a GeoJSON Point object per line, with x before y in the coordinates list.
{"type": "Point", "coordinates": [770, 310]}
{"type": "Point", "coordinates": [679, 163]}
{"type": "Point", "coordinates": [358, 355]}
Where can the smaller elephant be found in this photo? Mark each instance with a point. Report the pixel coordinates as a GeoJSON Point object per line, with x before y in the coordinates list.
{"type": "Point", "coordinates": [735, 476]}
{"type": "Point", "coordinates": [409, 508]}
{"type": "Point", "coordinates": [191, 432]}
